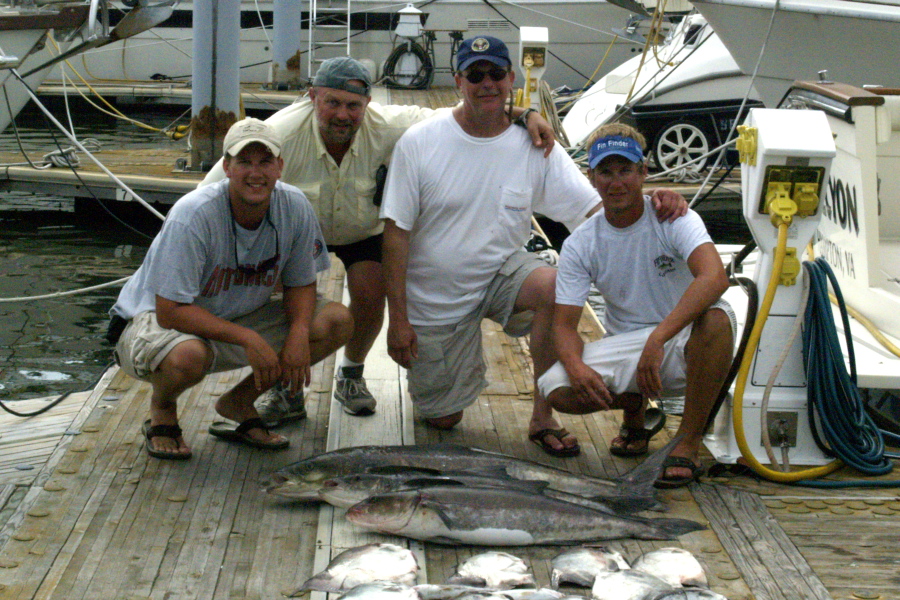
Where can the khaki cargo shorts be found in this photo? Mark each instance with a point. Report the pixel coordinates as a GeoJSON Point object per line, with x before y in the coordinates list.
{"type": "Point", "coordinates": [449, 372]}
{"type": "Point", "coordinates": [144, 343]}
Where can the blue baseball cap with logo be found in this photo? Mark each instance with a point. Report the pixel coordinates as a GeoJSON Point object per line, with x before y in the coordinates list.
{"type": "Point", "coordinates": [483, 47]}
{"type": "Point", "coordinates": [614, 145]}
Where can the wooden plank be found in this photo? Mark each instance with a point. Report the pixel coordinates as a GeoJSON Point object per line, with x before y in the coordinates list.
{"type": "Point", "coordinates": [764, 555]}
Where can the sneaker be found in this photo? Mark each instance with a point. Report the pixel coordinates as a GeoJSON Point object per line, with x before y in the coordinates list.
{"type": "Point", "coordinates": [351, 391]}
{"type": "Point", "coordinates": [277, 406]}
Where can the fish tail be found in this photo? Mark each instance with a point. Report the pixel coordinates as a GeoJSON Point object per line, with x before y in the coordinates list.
{"type": "Point", "coordinates": [641, 478]}
{"type": "Point", "coordinates": [668, 529]}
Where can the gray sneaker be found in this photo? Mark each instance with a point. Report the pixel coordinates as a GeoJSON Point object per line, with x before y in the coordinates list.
{"type": "Point", "coordinates": [277, 406]}
{"type": "Point", "coordinates": [351, 391]}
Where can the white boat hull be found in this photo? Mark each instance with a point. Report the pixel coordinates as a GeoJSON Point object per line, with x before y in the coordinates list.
{"type": "Point", "coordinates": [855, 41]}
{"type": "Point", "coordinates": [23, 47]}
{"type": "Point", "coordinates": [578, 33]}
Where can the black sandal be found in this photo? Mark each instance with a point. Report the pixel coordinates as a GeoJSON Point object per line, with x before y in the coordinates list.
{"type": "Point", "coordinates": [169, 431]}
{"type": "Point", "coordinates": [630, 435]}
{"type": "Point", "coordinates": [665, 482]}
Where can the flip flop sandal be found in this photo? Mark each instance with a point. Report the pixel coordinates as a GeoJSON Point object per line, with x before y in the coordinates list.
{"type": "Point", "coordinates": [676, 482]}
{"type": "Point", "coordinates": [631, 435]}
{"type": "Point", "coordinates": [240, 434]}
{"type": "Point", "coordinates": [169, 431]}
{"type": "Point", "coordinates": [540, 438]}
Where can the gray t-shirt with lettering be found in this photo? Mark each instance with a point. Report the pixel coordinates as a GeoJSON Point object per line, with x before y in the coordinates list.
{"type": "Point", "coordinates": [195, 257]}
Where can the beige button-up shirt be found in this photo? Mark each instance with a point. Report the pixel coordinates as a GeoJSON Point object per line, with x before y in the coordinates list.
{"type": "Point", "coordinates": [342, 196]}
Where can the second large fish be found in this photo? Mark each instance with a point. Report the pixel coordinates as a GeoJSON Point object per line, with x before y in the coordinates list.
{"type": "Point", "coordinates": [497, 517]}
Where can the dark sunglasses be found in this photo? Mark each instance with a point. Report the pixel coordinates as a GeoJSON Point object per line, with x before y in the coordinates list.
{"type": "Point", "coordinates": [263, 266]}
{"type": "Point", "coordinates": [496, 74]}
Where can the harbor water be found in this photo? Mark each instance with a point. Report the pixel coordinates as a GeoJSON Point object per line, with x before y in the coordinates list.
{"type": "Point", "coordinates": [52, 346]}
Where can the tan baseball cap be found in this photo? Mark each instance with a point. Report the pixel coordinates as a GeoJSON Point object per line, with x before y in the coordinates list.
{"type": "Point", "coordinates": [251, 130]}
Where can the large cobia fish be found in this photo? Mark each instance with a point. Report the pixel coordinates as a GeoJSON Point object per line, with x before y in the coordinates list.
{"type": "Point", "coordinates": [630, 493]}
{"type": "Point", "coordinates": [502, 517]}
{"type": "Point", "coordinates": [348, 490]}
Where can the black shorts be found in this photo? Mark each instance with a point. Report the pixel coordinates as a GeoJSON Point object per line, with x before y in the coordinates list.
{"type": "Point", "coordinates": [367, 249]}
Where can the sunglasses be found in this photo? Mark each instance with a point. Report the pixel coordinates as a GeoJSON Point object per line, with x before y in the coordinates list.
{"type": "Point", "coordinates": [263, 266]}
{"type": "Point", "coordinates": [495, 74]}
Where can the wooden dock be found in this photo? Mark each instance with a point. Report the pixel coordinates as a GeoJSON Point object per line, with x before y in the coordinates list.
{"type": "Point", "coordinates": [95, 518]}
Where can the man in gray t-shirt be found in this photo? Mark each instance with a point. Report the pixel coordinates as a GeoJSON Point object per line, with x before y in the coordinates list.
{"type": "Point", "coordinates": [202, 302]}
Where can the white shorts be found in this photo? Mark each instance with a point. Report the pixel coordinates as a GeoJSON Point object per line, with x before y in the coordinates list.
{"type": "Point", "coordinates": [615, 359]}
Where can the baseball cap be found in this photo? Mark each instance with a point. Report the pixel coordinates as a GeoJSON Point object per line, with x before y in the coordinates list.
{"type": "Point", "coordinates": [251, 130]}
{"type": "Point", "coordinates": [614, 144]}
{"type": "Point", "coordinates": [339, 71]}
{"type": "Point", "coordinates": [483, 47]}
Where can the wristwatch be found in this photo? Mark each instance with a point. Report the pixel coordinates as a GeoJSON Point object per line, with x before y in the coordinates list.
{"type": "Point", "coordinates": [523, 118]}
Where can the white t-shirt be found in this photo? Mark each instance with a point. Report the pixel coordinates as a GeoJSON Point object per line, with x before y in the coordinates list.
{"type": "Point", "coordinates": [467, 203]}
{"type": "Point", "coordinates": [193, 258]}
{"type": "Point", "coordinates": [641, 270]}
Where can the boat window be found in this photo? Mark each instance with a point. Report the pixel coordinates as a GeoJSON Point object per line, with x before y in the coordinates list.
{"type": "Point", "coordinates": [692, 35]}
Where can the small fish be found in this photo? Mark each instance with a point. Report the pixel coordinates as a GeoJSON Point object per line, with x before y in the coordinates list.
{"type": "Point", "coordinates": [538, 594]}
{"type": "Point", "coordinates": [495, 517]}
{"type": "Point", "coordinates": [381, 590]}
{"type": "Point", "coordinates": [365, 564]}
{"type": "Point", "coordinates": [691, 594]}
{"type": "Point", "coordinates": [431, 591]}
{"type": "Point", "coordinates": [632, 492]}
{"type": "Point", "coordinates": [580, 566]}
{"type": "Point", "coordinates": [675, 566]}
{"type": "Point", "coordinates": [494, 570]}
{"type": "Point", "coordinates": [628, 585]}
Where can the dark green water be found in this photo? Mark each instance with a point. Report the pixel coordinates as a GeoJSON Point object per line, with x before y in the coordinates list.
{"type": "Point", "coordinates": [52, 346]}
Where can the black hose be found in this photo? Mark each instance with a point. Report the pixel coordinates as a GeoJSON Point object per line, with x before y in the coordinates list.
{"type": "Point", "coordinates": [422, 78]}
{"type": "Point", "coordinates": [752, 307]}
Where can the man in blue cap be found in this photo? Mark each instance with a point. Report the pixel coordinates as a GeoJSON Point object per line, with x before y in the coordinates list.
{"type": "Point", "coordinates": [337, 146]}
{"type": "Point", "coordinates": [668, 331]}
{"type": "Point", "coordinates": [458, 206]}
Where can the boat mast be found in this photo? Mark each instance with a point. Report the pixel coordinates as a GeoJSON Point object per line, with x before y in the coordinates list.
{"type": "Point", "coordinates": [286, 54]}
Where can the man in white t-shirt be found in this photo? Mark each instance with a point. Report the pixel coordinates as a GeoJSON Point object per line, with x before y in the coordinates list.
{"type": "Point", "coordinates": [668, 330]}
{"type": "Point", "coordinates": [202, 302]}
{"type": "Point", "coordinates": [457, 206]}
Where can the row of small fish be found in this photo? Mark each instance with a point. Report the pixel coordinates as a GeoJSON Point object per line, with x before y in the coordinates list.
{"type": "Point", "coordinates": [457, 495]}
{"type": "Point", "coordinates": [386, 571]}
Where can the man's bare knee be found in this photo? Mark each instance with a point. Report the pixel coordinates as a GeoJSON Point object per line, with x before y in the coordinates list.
{"type": "Point", "coordinates": [445, 423]}
{"type": "Point", "coordinates": [188, 362]}
{"type": "Point", "coordinates": [334, 323]}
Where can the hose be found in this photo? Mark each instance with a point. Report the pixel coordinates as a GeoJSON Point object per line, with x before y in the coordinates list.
{"type": "Point", "coordinates": [832, 392]}
{"type": "Point", "coordinates": [423, 76]}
